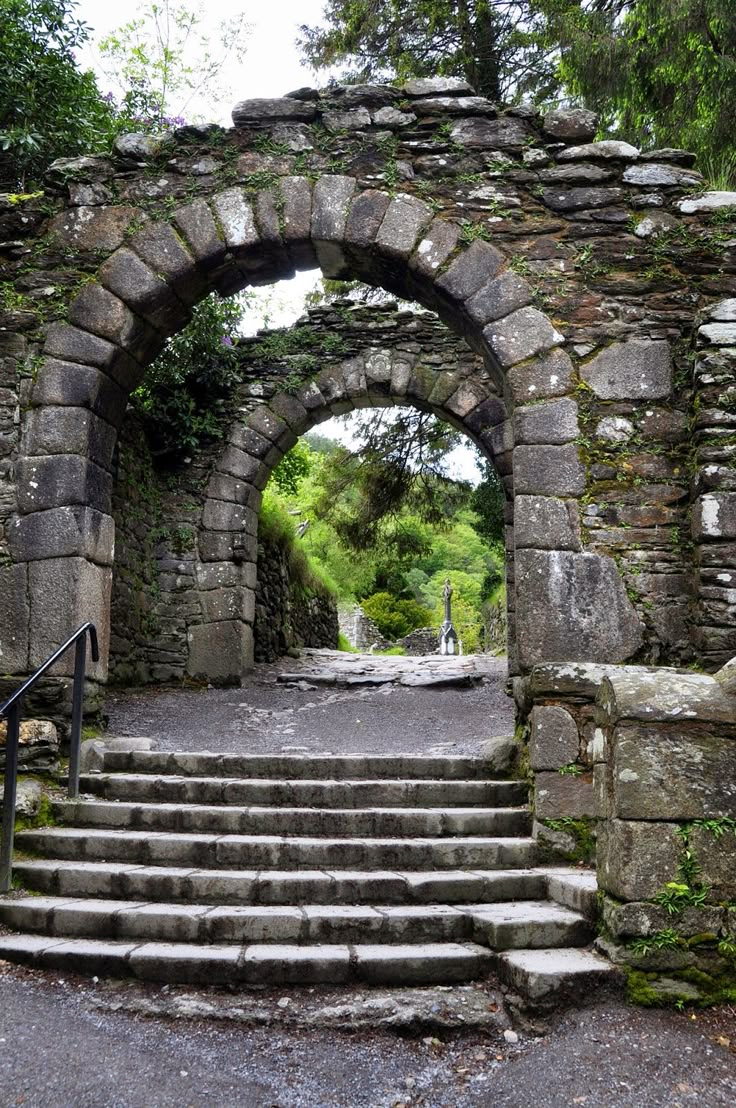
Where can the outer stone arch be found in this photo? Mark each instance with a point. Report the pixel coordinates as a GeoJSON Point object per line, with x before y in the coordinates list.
{"type": "Point", "coordinates": [144, 291]}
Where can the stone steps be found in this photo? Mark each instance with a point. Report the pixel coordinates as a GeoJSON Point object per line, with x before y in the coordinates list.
{"type": "Point", "coordinates": [305, 793]}
{"type": "Point", "coordinates": [294, 822]}
{"type": "Point", "coordinates": [277, 852]}
{"type": "Point", "coordinates": [254, 964]}
{"type": "Point", "coordinates": [278, 887]}
{"type": "Point", "coordinates": [240, 869]}
{"type": "Point", "coordinates": [499, 926]}
{"type": "Point", "coordinates": [312, 767]}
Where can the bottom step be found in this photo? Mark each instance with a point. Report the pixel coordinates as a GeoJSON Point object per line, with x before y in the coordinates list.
{"type": "Point", "coordinates": [544, 976]}
{"type": "Point", "coordinates": [256, 964]}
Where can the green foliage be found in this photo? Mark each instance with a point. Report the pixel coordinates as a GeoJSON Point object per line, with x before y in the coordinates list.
{"type": "Point", "coordinates": [292, 469]}
{"type": "Point", "coordinates": [395, 618]}
{"type": "Point", "coordinates": [661, 72]}
{"type": "Point", "coordinates": [582, 832]}
{"type": "Point", "coordinates": [495, 44]}
{"type": "Point", "coordinates": [49, 108]}
{"type": "Point", "coordinates": [676, 896]}
{"type": "Point", "coordinates": [344, 645]}
{"type": "Point", "coordinates": [185, 395]}
{"type": "Point", "coordinates": [163, 58]}
{"type": "Point", "coordinates": [667, 939]}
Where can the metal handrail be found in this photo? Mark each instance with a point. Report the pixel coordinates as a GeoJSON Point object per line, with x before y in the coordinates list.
{"type": "Point", "coordinates": [11, 710]}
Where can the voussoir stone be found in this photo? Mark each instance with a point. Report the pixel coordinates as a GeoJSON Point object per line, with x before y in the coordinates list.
{"type": "Point", "coordinates": [249, 111]}
{"type": "Point", "coordinates": [473, 268]}
{"type": "Point", "coordinates": [636, 370]}
{"type": "Point", "coordinates": [570, 124]}
{"type": "Point", "coordinates": [521, 335]}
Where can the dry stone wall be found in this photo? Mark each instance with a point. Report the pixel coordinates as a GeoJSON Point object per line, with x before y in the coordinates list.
{"type": "Point", "coordinates": [574, 268]}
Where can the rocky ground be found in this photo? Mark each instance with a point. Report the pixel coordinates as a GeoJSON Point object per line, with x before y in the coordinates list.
{"type": "Point", "coordinates": [68, 1041]}
{"type": "Point", "coordinates": [360, 705]}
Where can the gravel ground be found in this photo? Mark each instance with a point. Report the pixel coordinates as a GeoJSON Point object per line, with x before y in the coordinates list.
{"type": "Point", "coordinates": [62, 1047]}
{"type": "Point", "coordinates": [265, 717]}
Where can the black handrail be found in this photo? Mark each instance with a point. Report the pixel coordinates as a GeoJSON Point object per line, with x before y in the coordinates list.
{"type": "Point", "coordinates": [11, 710]}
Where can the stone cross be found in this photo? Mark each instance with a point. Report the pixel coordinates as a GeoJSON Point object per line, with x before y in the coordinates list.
{"type": "Point", "coordinates": [448, 635]}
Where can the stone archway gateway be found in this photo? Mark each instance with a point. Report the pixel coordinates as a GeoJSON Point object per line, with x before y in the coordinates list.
{"type": "Point", "coordinates": [574, 268]}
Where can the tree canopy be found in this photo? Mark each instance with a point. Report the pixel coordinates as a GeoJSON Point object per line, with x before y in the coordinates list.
{"type": "Point", "coordinates": [49, 108]}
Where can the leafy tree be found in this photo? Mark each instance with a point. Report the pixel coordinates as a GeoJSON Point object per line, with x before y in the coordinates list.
{"type": "Point", "coordinates": [660, 72]}
{"type": "Point", "coordinates": [487, 501]}
{"type": "Point", "coordinates": [163, 59]}
{"type": "Point", "coordinates": [186, 393]}
{"type": "Point", "coordinates": [400, 465]}
{"type": "Point", "coordinates": [496, 45]}
{"type": "Point", "coordinates": [395, 618]}
{"type": "Point", "coordinates": [292, 469]}
{"type": "Point", "coordinates": [48, 107]}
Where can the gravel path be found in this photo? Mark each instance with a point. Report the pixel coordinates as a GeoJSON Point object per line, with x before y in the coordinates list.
{"type": "Point", "coordinates": [59, 1048]}
{"type": "Point", "coordinates": [266, 717]}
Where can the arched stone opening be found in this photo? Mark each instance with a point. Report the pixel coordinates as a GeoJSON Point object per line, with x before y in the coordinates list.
{"type": "Point", "coordinates": [144, 249]}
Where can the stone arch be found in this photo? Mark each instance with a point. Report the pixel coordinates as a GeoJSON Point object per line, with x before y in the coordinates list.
{"type": "Point", "coordinates": [148, 231]}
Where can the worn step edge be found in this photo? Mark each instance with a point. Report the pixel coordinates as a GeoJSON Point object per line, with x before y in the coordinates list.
{"type": "Point", "coordinates": [325, 793]}
{"type": "Point", "coordinates": [298, 766]}
{"type": "Point", "coordinates": [276, 851]}
{"type": "Point", "coordinates": [279, 887]}
{"type": "Point", "coordinates": [213, 924]}
{"type": "Point", "coordinates": [530, 924]}
{"type": "Point", "coordinates": [293, 822]}
{"type": "Point", "coordinates": [547, 975]}
{"type": "Point", "coordinates": [253, 964]}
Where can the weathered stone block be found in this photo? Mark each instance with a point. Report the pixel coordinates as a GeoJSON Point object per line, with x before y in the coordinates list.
{"type": "Point", "coordinates": [716, 855]}
{"type": "Point", "coordinates": [268, 425]}
{"type": "Point", "coordinates": [436, 86]}
{"type": "Point", "coordinates": [570, 124]}
{"type": "Point", "coordinates": [560, 795]}
{"type": "Point", "coordinates": [66, 430]}
{"type": "Point", "coordinates": [507, 132]}
{"type": "Point", "coordinates": [578, 199]}
{"type": "Point", "coordinates": [223, 515]}
{"type": "Point", "coordinates": [128, 276]}
{"type": "Point", "coordinates": [472, 269]}
{"type": "Point", "coordinates": [553, 739]}
{"type": "Point", "coordinates": [332, 196]}
{"type": "Point", "coordinates": [63, 532]}
{"type": "Point", "coordinates": [672, 773]}
{"type": "Point", "coordinates": [291, 411]}
{"type": "Point", "coordinates": [714, 517]}
{"type": "Point", "coordinates": [95, 228]}
{"type": "Point", "coordinates": [435, 247]}
{"type": "Point", "coordinates": [521, 335]}
{"type": "Point", "coordinates": [162, 249]}
{"type": "Point", "coordinates": [572, 607]}
{"type": "Point", "coordinates": [356, 120]}
{"type": "Point", "coordinates": [546, 523]}
{"type": "Point", "coordinates": [553, 422]}
{"type": "Point", "coordinates": [14, 618]}
{"type": "Point", "coordinates": [220, 652]}
{"type": "Point", "coordinates": [708, 202]}
{"type": "Point", "coordinates": [61, 479]}
{"type": "Point", "coordinates": [198, 227]}
{"type": "Point", "coordinates": [276, 108]}
{"type": "Point", "coordinates": [548, 375]}
{"type": "Point", "coordinates": [548, 471]}
{"type": "Point", "coordinates": [65, 592]}
{"type": "Point", "coordinates": [607, 149]}
{"type": "Point", "coordinates": [637, 920]}
{"type": "Point", "coordinates": [99, 311]}
{"type": "Point", "coordinates": [636, 370]}
{"type": "Point", "coordinates": [402, 224]}
{"type": "Point", "coordinates": [235, 216]}
{"type": "Point", "coordinates": [636, 859]}
{"type": "Point", "coordinates": [498, 297]}
{"type": "Point", "coordinates": [60, 382]}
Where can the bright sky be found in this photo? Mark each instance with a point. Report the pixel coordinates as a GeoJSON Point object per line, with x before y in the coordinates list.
{"type": "Point", "coordinates": [270, 65]}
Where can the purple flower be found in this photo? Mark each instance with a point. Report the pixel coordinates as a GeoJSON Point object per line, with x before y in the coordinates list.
{"type": "Point", "coordinates": [226, 340]}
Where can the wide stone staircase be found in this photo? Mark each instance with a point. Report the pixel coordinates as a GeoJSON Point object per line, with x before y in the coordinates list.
{"type": "Point", "coordinates": [295, 869]}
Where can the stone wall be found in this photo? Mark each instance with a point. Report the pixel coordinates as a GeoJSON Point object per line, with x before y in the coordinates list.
{"type": "Point", "coordinates": [575, 269]}
{"type": "Point", "coordinates": [425, 640]}
{"type": "Point", "coordinates": [360, 630]}
{"type": "Point", "coordinates": [290, 612]}
{"type": "Point", "coordinates": [158, 593]}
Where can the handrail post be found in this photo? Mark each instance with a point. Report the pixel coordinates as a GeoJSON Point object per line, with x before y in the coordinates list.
{"type": "Point", "coordinates": [11, 778]}
{"type": "Point", "coordinates": [75, 738]}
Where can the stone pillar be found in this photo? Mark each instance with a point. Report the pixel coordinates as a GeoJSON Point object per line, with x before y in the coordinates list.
{"type": "Point", "coordinates": [665, 777]}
